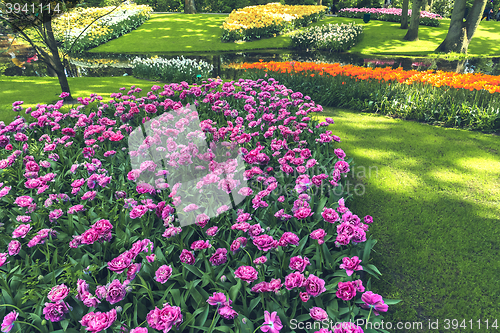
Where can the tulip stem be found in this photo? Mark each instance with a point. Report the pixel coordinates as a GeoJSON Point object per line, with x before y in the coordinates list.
{"type": "Point", "coordinates": [23, 322]}
{"type": "Point", "coordinates": [207, 263]}
{"type": "Point", "coordinates": [260, 327]}
{"type": "Point", "coordinates": [368, 319]}
{"type": "Point", "coordinates": [251, 261]}
{"type": "Point", "coordinates": [213, 321]}
{"type": "Point", "coordinates": [15, 307]}
{"type": "Point", "coordinates": [320, 257]}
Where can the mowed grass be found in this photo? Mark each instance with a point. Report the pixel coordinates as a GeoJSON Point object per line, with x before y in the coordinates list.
{"type": "Point", "coordinates": [434, 194]}
{"type": "Point", "coordinates": [181, 33]}
{"type": "Point", "coordinates": [184, 33]}
{"type": "Point", "coordinates": [34, 90]}
{"type": "Point", "coordinates": [386, 38]}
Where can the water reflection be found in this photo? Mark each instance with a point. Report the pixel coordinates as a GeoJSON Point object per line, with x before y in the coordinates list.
{"type": "Point", "coordinates": [99, 65]}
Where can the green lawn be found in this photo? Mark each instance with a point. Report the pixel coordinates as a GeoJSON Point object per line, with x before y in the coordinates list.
{"type": "Point", "coordinates": [386, 38]}
{"type": "Point", "coordinates": [180, 33]}
{"type": "Point", "coordinates": [434, 194]}
{"type": "Point", "coordinates": [34, 90]}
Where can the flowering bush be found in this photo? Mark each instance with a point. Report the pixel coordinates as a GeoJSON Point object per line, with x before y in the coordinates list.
{"type": "Point", "coordinates": [103, 231]}
{"type": "Point", "coordinates": [71, 25]}
{"type": "Point", "coordinates": [171, 70]}
{"type": "Point", "coordinates": [390, 14]}
{"type": "Point", "coordinates": [331, 37]}
{"type": "Point", "coordinates": [444, 98]}
{"type": "Point", "coordinates": [269, 20]}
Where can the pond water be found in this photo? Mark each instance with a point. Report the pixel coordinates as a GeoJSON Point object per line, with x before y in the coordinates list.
{"type": "Point", "coordinates": [99, 65]}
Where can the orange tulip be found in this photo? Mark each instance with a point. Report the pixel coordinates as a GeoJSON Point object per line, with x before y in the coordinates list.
{"type": "Point", "coordinates": [430, 77]}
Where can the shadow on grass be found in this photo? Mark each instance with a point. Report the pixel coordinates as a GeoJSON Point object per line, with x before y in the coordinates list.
{"type": "Point", "coordinates": [436, 206]}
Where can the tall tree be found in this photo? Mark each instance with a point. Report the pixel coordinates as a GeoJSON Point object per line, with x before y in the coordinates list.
{"type": "Point", "coordinates": [189, 7]}
{"type": "Point", "coordinates": [412, 34]}
{"type": "Point", "coordinates": [32, 20]}
{"type": "Point", "coordinates": [404, 14]}
{"type": "Point", "coordinates": [460, 33]}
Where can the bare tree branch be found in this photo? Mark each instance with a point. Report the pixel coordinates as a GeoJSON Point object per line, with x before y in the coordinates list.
{"type": "Point", "coordinates": [88, 26]}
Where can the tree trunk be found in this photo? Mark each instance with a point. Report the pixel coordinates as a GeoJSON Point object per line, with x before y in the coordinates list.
{"type": "Point", "coordinates": [460, 33]}
{"type": "Point", "coordinates": [461, 66]}
{"type": "Point", "coordinates": [50, 71]}
{"type": "Point", "coordinates": [320, 3]}
{"type": "Point", "coordinates": [55, 60]}
{"type": "Point", "coordinates": [189, 7]}
{"type": "Point", "coordinates": [44, 31]}
{"type": "Point", "coordinates": [404, 14]}
{"type": "Point", "coordinates": [412, 34]}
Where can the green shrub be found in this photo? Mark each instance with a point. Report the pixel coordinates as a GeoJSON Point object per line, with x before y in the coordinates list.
{"type": "Point", "coordinates": [106, 3]}
{"type": "Point", "coordinates": [442, 7]}
{"type": "Point", "coordinates": [163, 5]}
{"type": "Point", "coordinates": [331, 37]}
{"type": "Point", "coordinates": [91, 3]}
{"type": "Point", "coordinates": [358, 3]}
{"type": "Point", "coordinates": [300, 2]}
{"type": "Point", "coordinates": [203, 6]}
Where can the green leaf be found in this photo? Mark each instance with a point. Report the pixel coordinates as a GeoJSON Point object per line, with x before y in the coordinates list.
{"type": "Point", "coordinates": [47, 278]}
{"type": "Point", "coordinates": [373, 268]}
{"type": "Point", "coordinates": [195, 270]}
{"type": "Point", "coordinates": [65, 324]}
{"type": "Point", "coordinates": [369, 244]}
{"type": "Point", "coordinates": [392, 301]}
{"type": "Point", "coordinates": [202, 319]}
{"type": "Point", "coordinates": [370, 271]}
{"type": "Point", "coordinates": [196, 296]}
{"type": "Point", "coordinates": [301, 245]}
{"type": "Point", "coordinates": [370, 330]}
{"type": "Point", "coordinates": [303, 317]}
{"type": "Point", "coordinates": [176, 294]}
{"type": "Point", "coordinates": [253, 304]}
{"type": "Point", "coordinates": [328, 256]}
{"type": "Point", "coordinates": [246, 328]}
{"type": "Point", "coordinates": [126, 307]}
{"type": "Point", "coordinates": [233, 292]}
{"type": "Point", "coordinates": [341, 273]}
{"type": "Point", "coordinates": [321, 205]}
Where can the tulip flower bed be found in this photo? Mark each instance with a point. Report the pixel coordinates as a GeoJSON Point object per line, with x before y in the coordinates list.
{"type": "Point", "coordinates": [171, 70]}
{"type": "Point", "coordinates": [102, 230]}
{"type": "Point", "coordinates": [69, 26]}
{"type": "Point", "coordinates": [269, 20]}
{"type": "Point", "coordinates": [444, 98]}
{"type": "Point", "coordinates": [390, 14]}
{"type": "Point", "coordinates": [330, 37]}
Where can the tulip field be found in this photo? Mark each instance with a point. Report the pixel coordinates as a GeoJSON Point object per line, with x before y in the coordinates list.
{"type": "Point", "coordinates": [182, 202]}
